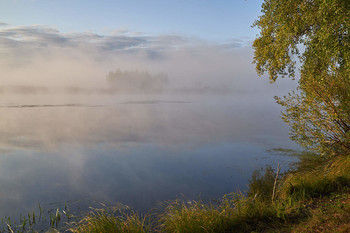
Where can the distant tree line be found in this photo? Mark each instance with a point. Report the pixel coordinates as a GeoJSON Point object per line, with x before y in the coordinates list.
{"type": "Point", "coordinates": [136, 81]}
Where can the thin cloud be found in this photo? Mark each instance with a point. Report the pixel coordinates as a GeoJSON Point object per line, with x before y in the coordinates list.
{"type": "Point", "coordinates": [43, 37]}
{"type": "Point", "coordinates": [33, 34]}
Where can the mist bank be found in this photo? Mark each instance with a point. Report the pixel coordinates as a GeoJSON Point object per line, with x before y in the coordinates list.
{"type": "Point", "coordinates": [41, 59]}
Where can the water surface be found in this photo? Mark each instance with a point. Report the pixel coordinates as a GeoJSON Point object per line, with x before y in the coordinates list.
{"type": "Point", "coordinates": [136, 150]}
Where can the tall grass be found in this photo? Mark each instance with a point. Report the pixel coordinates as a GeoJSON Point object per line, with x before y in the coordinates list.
{"type": "Point", "coordinates": [235, 212]}
{"type": "Point", "coordinates": [180, 216]}
{"type": "Point", "coordinates": [323, 179]}
{"type": "Point", "coordinates": [111, 220]}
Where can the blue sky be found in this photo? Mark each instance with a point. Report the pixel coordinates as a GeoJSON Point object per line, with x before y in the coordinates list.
{"type": "Point", "coordinates": [219, 20]}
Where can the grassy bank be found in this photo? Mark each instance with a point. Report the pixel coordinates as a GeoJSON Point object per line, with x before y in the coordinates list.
{"type": "Point", "coordinates": [315, 197]}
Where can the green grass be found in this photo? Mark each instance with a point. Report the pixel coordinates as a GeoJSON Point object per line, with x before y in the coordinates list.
{"type": "Point", "coordinates": [327, 214]}
{"type": "Point", "coordinates": [324, 178]}
{"type": "Point", "coordinates": [111, 220]}
{"type": "Point", "coordinates": [235, 212]}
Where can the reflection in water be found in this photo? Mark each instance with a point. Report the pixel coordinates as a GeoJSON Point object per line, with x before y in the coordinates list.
{"type": "Point", "coordinates": [134, 150]}
{"type": "Point", "coordinates": [157, 102]}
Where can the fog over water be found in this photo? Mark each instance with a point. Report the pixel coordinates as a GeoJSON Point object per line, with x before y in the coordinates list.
{"type": "Point", "coordinates": [67, 134]}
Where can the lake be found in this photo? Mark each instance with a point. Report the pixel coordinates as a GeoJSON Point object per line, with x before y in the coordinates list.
{"type": "Point", "coordinates": [137, 150]}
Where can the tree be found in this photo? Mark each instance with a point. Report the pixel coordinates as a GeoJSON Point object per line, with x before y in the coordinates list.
{"type": "Point", "coordinates": [313, 36]}
{"type": "Point", "coordinates": [137, 81]}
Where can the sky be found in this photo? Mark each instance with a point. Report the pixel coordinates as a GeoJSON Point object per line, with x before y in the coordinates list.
{"type": "Point", "coordinates": [220, 20]}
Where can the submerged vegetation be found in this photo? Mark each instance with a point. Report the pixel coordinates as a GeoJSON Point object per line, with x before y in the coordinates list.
{"type": "Point", "coordinates": [50, 220]}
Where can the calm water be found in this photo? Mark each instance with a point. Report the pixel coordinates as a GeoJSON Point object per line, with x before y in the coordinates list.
{"type": "Point", "coordinates": [135, 150]}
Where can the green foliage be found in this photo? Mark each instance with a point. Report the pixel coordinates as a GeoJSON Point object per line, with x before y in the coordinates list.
{"type": "Point", "coordinates": [320, 119]}
{"type": "Point", "coordinates": [320, 29]}
{"type": "Point", "coordinates": [315, 36]}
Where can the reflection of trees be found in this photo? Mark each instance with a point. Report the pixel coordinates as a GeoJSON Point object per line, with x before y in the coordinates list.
{"type": "Point", "coordinates": [136, 81]}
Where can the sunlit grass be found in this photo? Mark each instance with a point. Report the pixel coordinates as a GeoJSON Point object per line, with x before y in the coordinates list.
{"type": "Point", "coordinates": [180, 216]}
{"type": "Point", "coordinates": [235, 212]}
{"type": "Point", "coordinates": [323, 179]}
{"type": "Point", "coordinates": [111, 220]}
